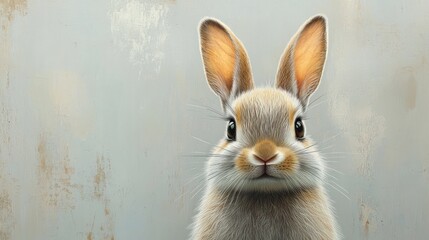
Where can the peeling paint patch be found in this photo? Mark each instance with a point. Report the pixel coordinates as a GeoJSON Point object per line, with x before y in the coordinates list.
{"type": "Point", "coordinates": [365, 127]}
{"type": "Point", "coordinates": [140, 29]}
{"type": "Point", "coordinates": [360, 23]}
{"type": "Point", "coordinates": [55, 177]}
{"type": "Point", "coordinates": [9, 8]}
{"type": "Point", "coordinates": [176, 188]}
{"type": "Point", "coordinates": [370, 129]}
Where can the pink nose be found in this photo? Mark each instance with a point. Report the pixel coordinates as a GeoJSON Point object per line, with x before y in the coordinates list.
{"type": "Point", "coordinates": [266, 159]}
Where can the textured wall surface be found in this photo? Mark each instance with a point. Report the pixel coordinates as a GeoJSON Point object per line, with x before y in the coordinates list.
{"type": "Point", "coordinates": [101, 100]}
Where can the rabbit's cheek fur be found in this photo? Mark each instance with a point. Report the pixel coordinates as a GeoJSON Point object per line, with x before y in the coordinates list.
{"type": "Point", "coordinates": [290, 162]}
{"type": "Point", "coordinates": [241, 162]}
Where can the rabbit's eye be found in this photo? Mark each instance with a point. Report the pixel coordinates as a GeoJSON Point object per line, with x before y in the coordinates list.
{"type": "Point", "coordinates": [231, 130]}
{"type": "Point", "coordinates": [299, 129]}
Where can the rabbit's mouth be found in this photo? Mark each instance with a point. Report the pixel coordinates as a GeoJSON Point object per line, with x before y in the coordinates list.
{"type": "Point", "coordinates": [265, 175]}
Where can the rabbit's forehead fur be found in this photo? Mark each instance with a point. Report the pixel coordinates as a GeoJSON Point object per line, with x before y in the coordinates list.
{"type": "Point", "coordinates": [265, 113]}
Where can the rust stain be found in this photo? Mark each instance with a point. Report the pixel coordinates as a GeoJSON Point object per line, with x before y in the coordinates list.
{"type": "Point", "coordinates": [100, 178]}
{"type": "Point", "coordinates": [7, 184]}
{"type": "Point", "coordinates": [8, 10]}
{"type": "Point", "coordinates": [107, 226]}
{"type": "Point", "coordinates": [367, 218]}
{"type": "Point", "coordinates": [55, 177]}
{"type": "Point", "coordinates": [406, 83]}
{"type": "Point", "coordinates": [89, 236]}
{"type": "Point", "coordinates": [106, 210]}
{"type": "Point", "coordinates": [6, 214]}
{"type": "Point", "coordinates": [100, 181]}
{"type": "Point", "coordinates": [44, 167]}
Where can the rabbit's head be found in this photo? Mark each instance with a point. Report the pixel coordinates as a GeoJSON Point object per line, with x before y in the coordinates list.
{"type": "Point", "coordinates": [266, 147]}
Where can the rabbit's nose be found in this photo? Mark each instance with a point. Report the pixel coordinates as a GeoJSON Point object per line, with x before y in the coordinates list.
{"type": "Point", "coordinates": [265, 151]}
{"type": "Point", "coordinates": [265, 159]}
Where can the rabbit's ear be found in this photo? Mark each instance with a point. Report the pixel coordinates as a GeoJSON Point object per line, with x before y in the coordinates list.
{"type": "Point", "coordinates": [226, 62]}
{"type": "Point", "coordinates": [301, 65]}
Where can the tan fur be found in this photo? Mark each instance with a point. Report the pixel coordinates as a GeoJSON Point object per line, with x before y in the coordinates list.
{"type": "Point", "coordinates": [238, 111]}
{"type": "Point", "coordinates": [248, 106]}
{"type": "Point", "coordinates": [292, 111]}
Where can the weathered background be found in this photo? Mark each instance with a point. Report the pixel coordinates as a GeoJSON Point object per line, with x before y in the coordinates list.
{"type": "Point", "coordinates": [97, 111]}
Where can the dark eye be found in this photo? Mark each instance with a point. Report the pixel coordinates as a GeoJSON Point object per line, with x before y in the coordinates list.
{"type": "Point", "coordinates": [299, 129]}
{"type": "Point", "coordinates": [231, 130]}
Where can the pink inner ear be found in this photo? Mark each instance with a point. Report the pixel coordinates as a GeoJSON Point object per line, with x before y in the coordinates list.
{"type": "Point", "coordinates": [225, 59]}
{"type": "Point", "coordinates": [219, 56]}
{"type": "Point", "coordinates": [309, 56]}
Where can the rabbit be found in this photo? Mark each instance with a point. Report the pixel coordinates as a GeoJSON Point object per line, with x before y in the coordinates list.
{"type": "Point", "coordinates": [265, 180]}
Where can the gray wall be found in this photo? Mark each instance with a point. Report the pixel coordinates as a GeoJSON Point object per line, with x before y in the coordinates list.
{"type": "Point", "coordinates": [97, 112]}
